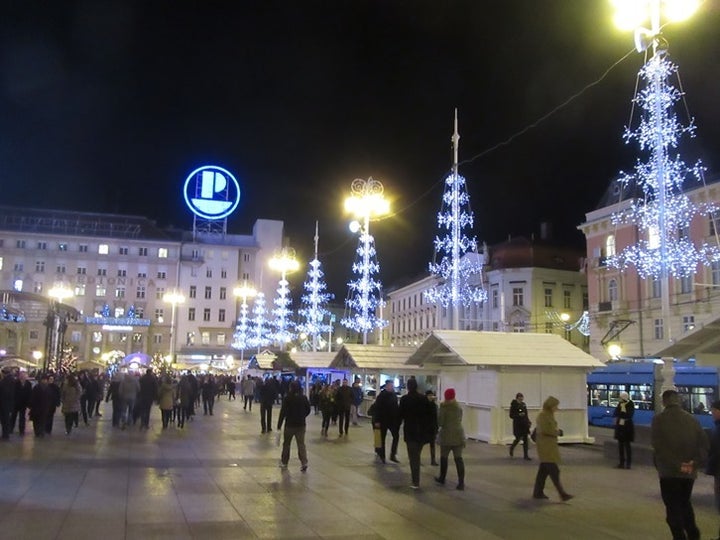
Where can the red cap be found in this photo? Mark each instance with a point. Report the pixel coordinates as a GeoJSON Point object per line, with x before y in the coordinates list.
{"type": "Point", "coordinates": [449, 394]}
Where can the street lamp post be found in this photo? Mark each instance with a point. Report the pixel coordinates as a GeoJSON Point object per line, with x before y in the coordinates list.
{"type": "Point", "coordinates": [243, 292]}
{"type": "Point", "coordinates": [366, 201]}
{"type": "Point", "coordinates": [285, 263]}
{"type": "Point", "coordinates": [173, 298]}
{"type": "Point", "coordinates": [56, 323]}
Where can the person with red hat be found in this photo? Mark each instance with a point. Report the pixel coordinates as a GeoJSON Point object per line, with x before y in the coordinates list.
{"type": "Point", "coordinates": [451, 437]}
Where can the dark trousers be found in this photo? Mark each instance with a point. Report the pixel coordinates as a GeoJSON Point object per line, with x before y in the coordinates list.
{"type": "Point", "coordinates": [19, 416]}
{"type": "Point", "coordinates": [39, 424]}
{"type": "Point", "coordinates": [518, 438]}
{"type": "Point", "coordinates": [344, 421]}
{"type": "Point", "coordinates": [414, 449]}
{"type": "Point", "coordinates": [84, 404]}
{"type": "Point", "coordinates": [545, 470]}
{"type": "Point", "coordinates": [326, 420]}
{"type": "Point", "coordinates": [49, 420]}
{"type": "Point", "coordinates": [299, 434]}
{"type": "Point", "coordinates": [145, 413]}
{"type": "Point", "coordinates": [247, 402]}
{"type": "Point", "coordinates": [679, 514]}
{"type": "Point", "coordinates": [625, 453]}
{"type": "Point", "coordinates": [70, 419]}
{"type": "Point", "coordinates": [116, 411]}
{"type": "Point", "coordinates": [394, 431]}
{"type": "Point", "coordinates": [231, 393]}
{"type": "Point", "coordinates": [208, 404]}
{"type": "Point", "coordinates": [166, 416]}
{"type": "Point", "coordinates": [5, 420]}
{"type": "Point", "coordinates": [266, 416]}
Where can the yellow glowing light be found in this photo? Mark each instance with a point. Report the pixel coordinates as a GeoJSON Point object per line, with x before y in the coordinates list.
{"type": "Point", "coordinates": [564, 317]}
{"type": "Point", "coordinates": [245, 291]}
{"type": "Point", "coordinates": [60, 292]}
{"type": "Point", "coordinates": [680, 10]}
{"type": "Point", "coordinates": [173, 297]}
{"type": "Point", "coordinates": [285, 261]}
{"type": "Point", "coordinates": [367, 205]}
{"type": "Point", "coordinates": [614, 350]}
{"type": "Point", "coordinates": [630, 14]}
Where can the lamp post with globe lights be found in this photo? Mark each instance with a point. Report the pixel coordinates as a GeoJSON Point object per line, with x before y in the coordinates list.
{"type": "Point", "coordinates": [174, 298]}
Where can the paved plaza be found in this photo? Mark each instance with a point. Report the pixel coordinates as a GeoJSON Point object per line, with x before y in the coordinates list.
{"type": "Point", "coordinates": [219, 478]}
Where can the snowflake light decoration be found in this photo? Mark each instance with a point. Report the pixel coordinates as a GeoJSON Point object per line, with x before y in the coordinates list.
{"type": "Point", "coordinates": [314, 301]}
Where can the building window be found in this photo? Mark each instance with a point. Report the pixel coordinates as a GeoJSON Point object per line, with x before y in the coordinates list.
{"type": "Point", "coordinates": [102, 271]}
{"type": "Point", "coordinates": [40, 266]}
{"type": "Point", "coordinates": [20, 244]}
{"type": "Point", "coordinates": [612, 290]}
{"type": "Point", "coordinates": [42, 245]}
{"type": "Point", "coordinates": [656, 288]}
{"type": "Point", "coordinates": [100, 290]}
{"type": "Point", "coordinates": [61, 269]}
{"type": "Point", "coordinates": [142, 251]}
{"type": "Point", "coordinates": [157, 339]}
{"type": "Point", "coordinates": [124, 250]}
{"type": "Point", "coordinates": [160, 315]}
{"type": "Point", "coordinates": [34, 334]}
{"type": "Point", "coordinates": [205, 338]}
{"type": "Point", "coordinates": [686, 284]}
{"type": "Point", "coordinates": [223, 273]}
{"type": "Point", "coordinates": [120, 292]}
{"type": "Point", "coordinates": [122, 272]}
{"type": "Point", "coordinates": [714, 269]}
{"type": "Point", "coordinates": [688, 323]}
{"type": "Point", "coordinates": [610, 245]}
{"type": "Point", "coordinates": [195, 254]}
{"type": "Point", "coordinates": [191, 314]}
{"type": "Point", "coordinates": [162, 253]}
{"type": "Point", "coordinates": [62, 247]}
{"type": "Point", "coordinates": [221, 339]}
{"type": "Point", "coordinates": [38, 287]}
{"type": "Point", "coordinates": [139, 312]}
{"type": "Point", "coordinates": [518, 296]}
{"type": "Point", "coordinates": [246, 257]}
{"type": "Point", "coordinates": [80, 289]}
{"type": "Point", "coordinates": [140, 293]}
{"type": "Point", "coordinates": [81, 270]}
{"type": "Point", "coordinates": [495, 298]}
{"type": "Point", "coordinates": [137, 337]}
{"type": "Point", "coordinates": [658, 328]}
{"type": "Point", "coordinates": [567, 299]}
{"type": "Point", "coordinates": [75, 336]}
{"type": "Point", "coordinates": [142, 274]}
{"type": "Point", "coordinates": [208, 293]}
{"type": "Point", "coordinates": [223, 293]}
{"type": "Point", "coordinates": [162, 275]}
{"type": "Point", "coordinates": [245, 277]}
{"type": "Point", "coordinates": [548, 297]}
{"type": "Point", "coordinates": [103, 249]}
{"type": "Point", "coordinates": [206, 314]}
{"type": "Point", "coordinates": [159, 293]}
{"type": "Point", "coordinates": [208, 272]}
{"type": "Point", "coordinates": [83, 248]}
{"type": "Point", "coordinates": [518, 328]}
{"type": "Point", "coordinates": [221, 315]}
{"type": "Point", "coordinates": [193, 291]}
{"type": "Point", "coordinates": [18, 267]}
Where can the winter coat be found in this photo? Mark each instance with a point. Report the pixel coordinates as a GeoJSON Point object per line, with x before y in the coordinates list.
{"type": "Point", "coordinates": [386, 411]}
{"type": "Point", "coordinates": [248, 387]}
{"type": "Point", "coordinates": [547, 433]}
{"type": "Point", "coordinates": [677, 438]}
{"type": "Point", "coordinates": [294, 410]}
{"type": "Point", "coordinates": [417, 415]}
{"type": "Point", "coordinates": [23, 390]}
{"type": "Point", "coordinates": [450, 423]}
{"type": "Point", "coordinates": [40, 402]}
{"type": "Point", "coordinates": [166, 396]}
{"type": "Point", "coordinates": [184, 393]}
{"type": "Point", "coordinates": [148, 388]}
{"type": "Point", "coordinates": [519, 415]}
{"type": "Point", "coordinates": [624, 427]}
{"type": "Point", "coordinates": [129, 387]}
{"type": "Point", "coordinates": [268, 392]}
{"type": "Point", "coordinates": [343, 398]}
{"type": "Point", "coordinates": [70, 397]}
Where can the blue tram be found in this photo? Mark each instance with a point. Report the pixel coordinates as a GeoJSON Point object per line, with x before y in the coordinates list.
{"type": "Point", "coordinates": [697, 385]}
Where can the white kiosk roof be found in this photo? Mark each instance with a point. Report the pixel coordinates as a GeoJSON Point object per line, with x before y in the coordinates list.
{"type": "Point", "coordinates": [313, 359]}
{"type": "Point", "coordinates": [462, 348]}
{"type": "Point", "coordinates": [379, 357]}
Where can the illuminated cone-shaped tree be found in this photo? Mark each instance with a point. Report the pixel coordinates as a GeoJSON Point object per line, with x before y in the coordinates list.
{"type": "Point", "coordinates": [314, 302]}
{"type": "Point", "coordinates": [259, 332]}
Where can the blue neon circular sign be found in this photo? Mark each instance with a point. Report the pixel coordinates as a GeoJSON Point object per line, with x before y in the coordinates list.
{"type": "Point", "coordinates": [211, 192]}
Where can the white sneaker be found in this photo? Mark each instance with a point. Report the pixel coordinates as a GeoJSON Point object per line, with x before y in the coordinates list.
{"type": "Point", "coordinates": [282, 465]}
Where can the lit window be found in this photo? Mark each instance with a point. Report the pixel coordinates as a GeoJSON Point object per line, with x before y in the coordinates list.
{"type": "Point", "coordinates": [103, 249]}
{"type": "Point", "coordinates": [120, 292]}
{"type": "Point", "coordinates": [38, 288]}
{"type": "Point", "coordinates": [159, 293]}
{"type": "Point", "coordinates": [80, 289]}
{"type": "Point", "coordinates": [653, 238]}
{"type": "Point", "coordinates": [159, 315]}
{"type": "Point", "coordinates": [162, 253]}
{"type": "Point", "coordinates": [205, 338]}
{"type": "Point", "coordinates": [688, 323]}
{"type": "Point", "coordinates": [221, 339]}
{"type": "Point", "coordinates": [100, 290]}
{"type": "Point", "coordinates": [62, 247]}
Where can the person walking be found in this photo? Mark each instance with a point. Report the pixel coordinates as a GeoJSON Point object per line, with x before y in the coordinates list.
{"type": "Point", "coordinates": [624, 429]}
{"type": "Point", "coordinates": [40, 406]}
{"type": "Point", "coordinates": [416, 415]}
{"type": "Point", "coordinates": [357, 399]}
{"type": "Point", "coordinates": [70, 396]}
{"type": "Point", "coordinates": [146, 396]}
{"type": "Point", "coordinates": [7, 401]}
{"type": "Point", "coordinates": [451, 436]}
{"type": "Point", "coordinates": [548, 450]}
{"type": "Point", "coordinates": [680, 446]}
{"type": "Point", "coordinates": [129, 389]}
{"type": "Point", "coordinates": [54, 391]}
{"type": "Point", "coordinates": [113, 393]}
{"type": "Point", "coordinates": [713, 462]}
{"type": "Point", "coordinates": [430, 395]}
{"type": "Point", "coordinates": [343, 403]}
{"type": "Point", "coordinates": [209, 391]}
{"type": "Point", "coordinates": [385, 417]}
{"type": "Point", "coordinates": [23, 391]}
{"type": "Point", "coordinates": [521, 424]}
{"type": "Point", "coordinates": [248, 392]}
{"type": "Point", "coordinates": [166, 400]}
{"type": "Point", "coordinates": [268, 395]}
{"type": "Point", "coordinates": [184, 400]}
{"type": "Point", "coordinates": [326, 399]}
{"type": "Point", "coordinates": [294, 410]}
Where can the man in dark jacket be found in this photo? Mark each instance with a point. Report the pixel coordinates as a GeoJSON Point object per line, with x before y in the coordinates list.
{"type": "Point", "coordinates": [295, 408]}
{"type": "Point", "coordinates": [416, 415]}
{"type": "Point", "coordinates": [386, 417]}
{"type": "Point", "coordinates": [521, 424]}
{"type": "Point", "coordinates": [7, 401]}
{"type": "Point", "coordinates": [39, 406]}
{"type": "Point", "coordinates": [268, 395]}
{"type": "Point", "coordinates": [343, 402]}
{"type": "Point", "coordinates": [23, 390]}
{"type": "Point", "coordinates": [147, 395]}
{"type": "Point", "coordinates": [54, 391]}
{"type": "Point", "coordinates": [680, 447]}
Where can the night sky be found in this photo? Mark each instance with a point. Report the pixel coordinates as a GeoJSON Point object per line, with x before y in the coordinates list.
{"type": "Point", "coordinates": [108, 105]}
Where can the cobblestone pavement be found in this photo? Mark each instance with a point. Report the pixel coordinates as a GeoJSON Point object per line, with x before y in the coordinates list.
{"type": "Point", "coordinates": [219, 478]}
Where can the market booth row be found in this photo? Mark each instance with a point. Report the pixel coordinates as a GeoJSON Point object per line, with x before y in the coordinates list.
{"type": "Point", "coordinates": [487, 369]}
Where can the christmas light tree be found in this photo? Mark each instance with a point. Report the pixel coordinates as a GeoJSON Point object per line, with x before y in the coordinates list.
{"type": "Point", "coordinates": [259, 330]}
{"type": "Point", "coordinates": [314, 301]}
{"type": "Point", "coordinates": [285, 263]}
{"type": "Point", "coordinates": [664, 214]}
{"type": "Point", "coordinates": [242, 329]}
{"type": "Point", "coordinates": [459, 273]}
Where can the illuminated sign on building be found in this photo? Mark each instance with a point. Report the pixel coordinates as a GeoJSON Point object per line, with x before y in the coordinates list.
{"type": "Point", "coordinates": [211, 192]}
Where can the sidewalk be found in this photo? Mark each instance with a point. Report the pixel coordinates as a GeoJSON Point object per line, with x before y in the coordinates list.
{"type": "Point", "coordinates": [219, 478]}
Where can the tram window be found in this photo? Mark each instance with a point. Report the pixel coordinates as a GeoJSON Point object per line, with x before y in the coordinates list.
{"type": "Point", "coordinates": [614, 394]}
{"type": "Point", "coordinates": [696, 399]}
{"type": "Point", "coordinates": [642, 396]}
{"type": "Point", "coordinates": [597, 395]}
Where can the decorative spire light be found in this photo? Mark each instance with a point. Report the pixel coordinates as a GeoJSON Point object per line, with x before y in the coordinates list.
{"type": "Point", "coordinates": [242, 330]}
{"type": "Point", "coordinates": [285, 263]}
{"type": "Point", "coordinates": [314, 301]}
{"type": "Point", "coordinates": [364, 294]}
{"type": "Point", "coordinates": [459, 272]}
{"type": "Point", "coordinates": [259, 330]}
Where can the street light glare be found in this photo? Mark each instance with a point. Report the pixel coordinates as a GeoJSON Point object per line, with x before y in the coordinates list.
{"type": "Point", "coordinates": [173, 297]}
{"type": "Point", "coordinates": [680, 10]}
{"type": "Point", "coordinates": [367, 205]}
{"type": "Point", "coordinates": [60, 293]}
{"type": "Point", "coordinates": [630, 14]}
